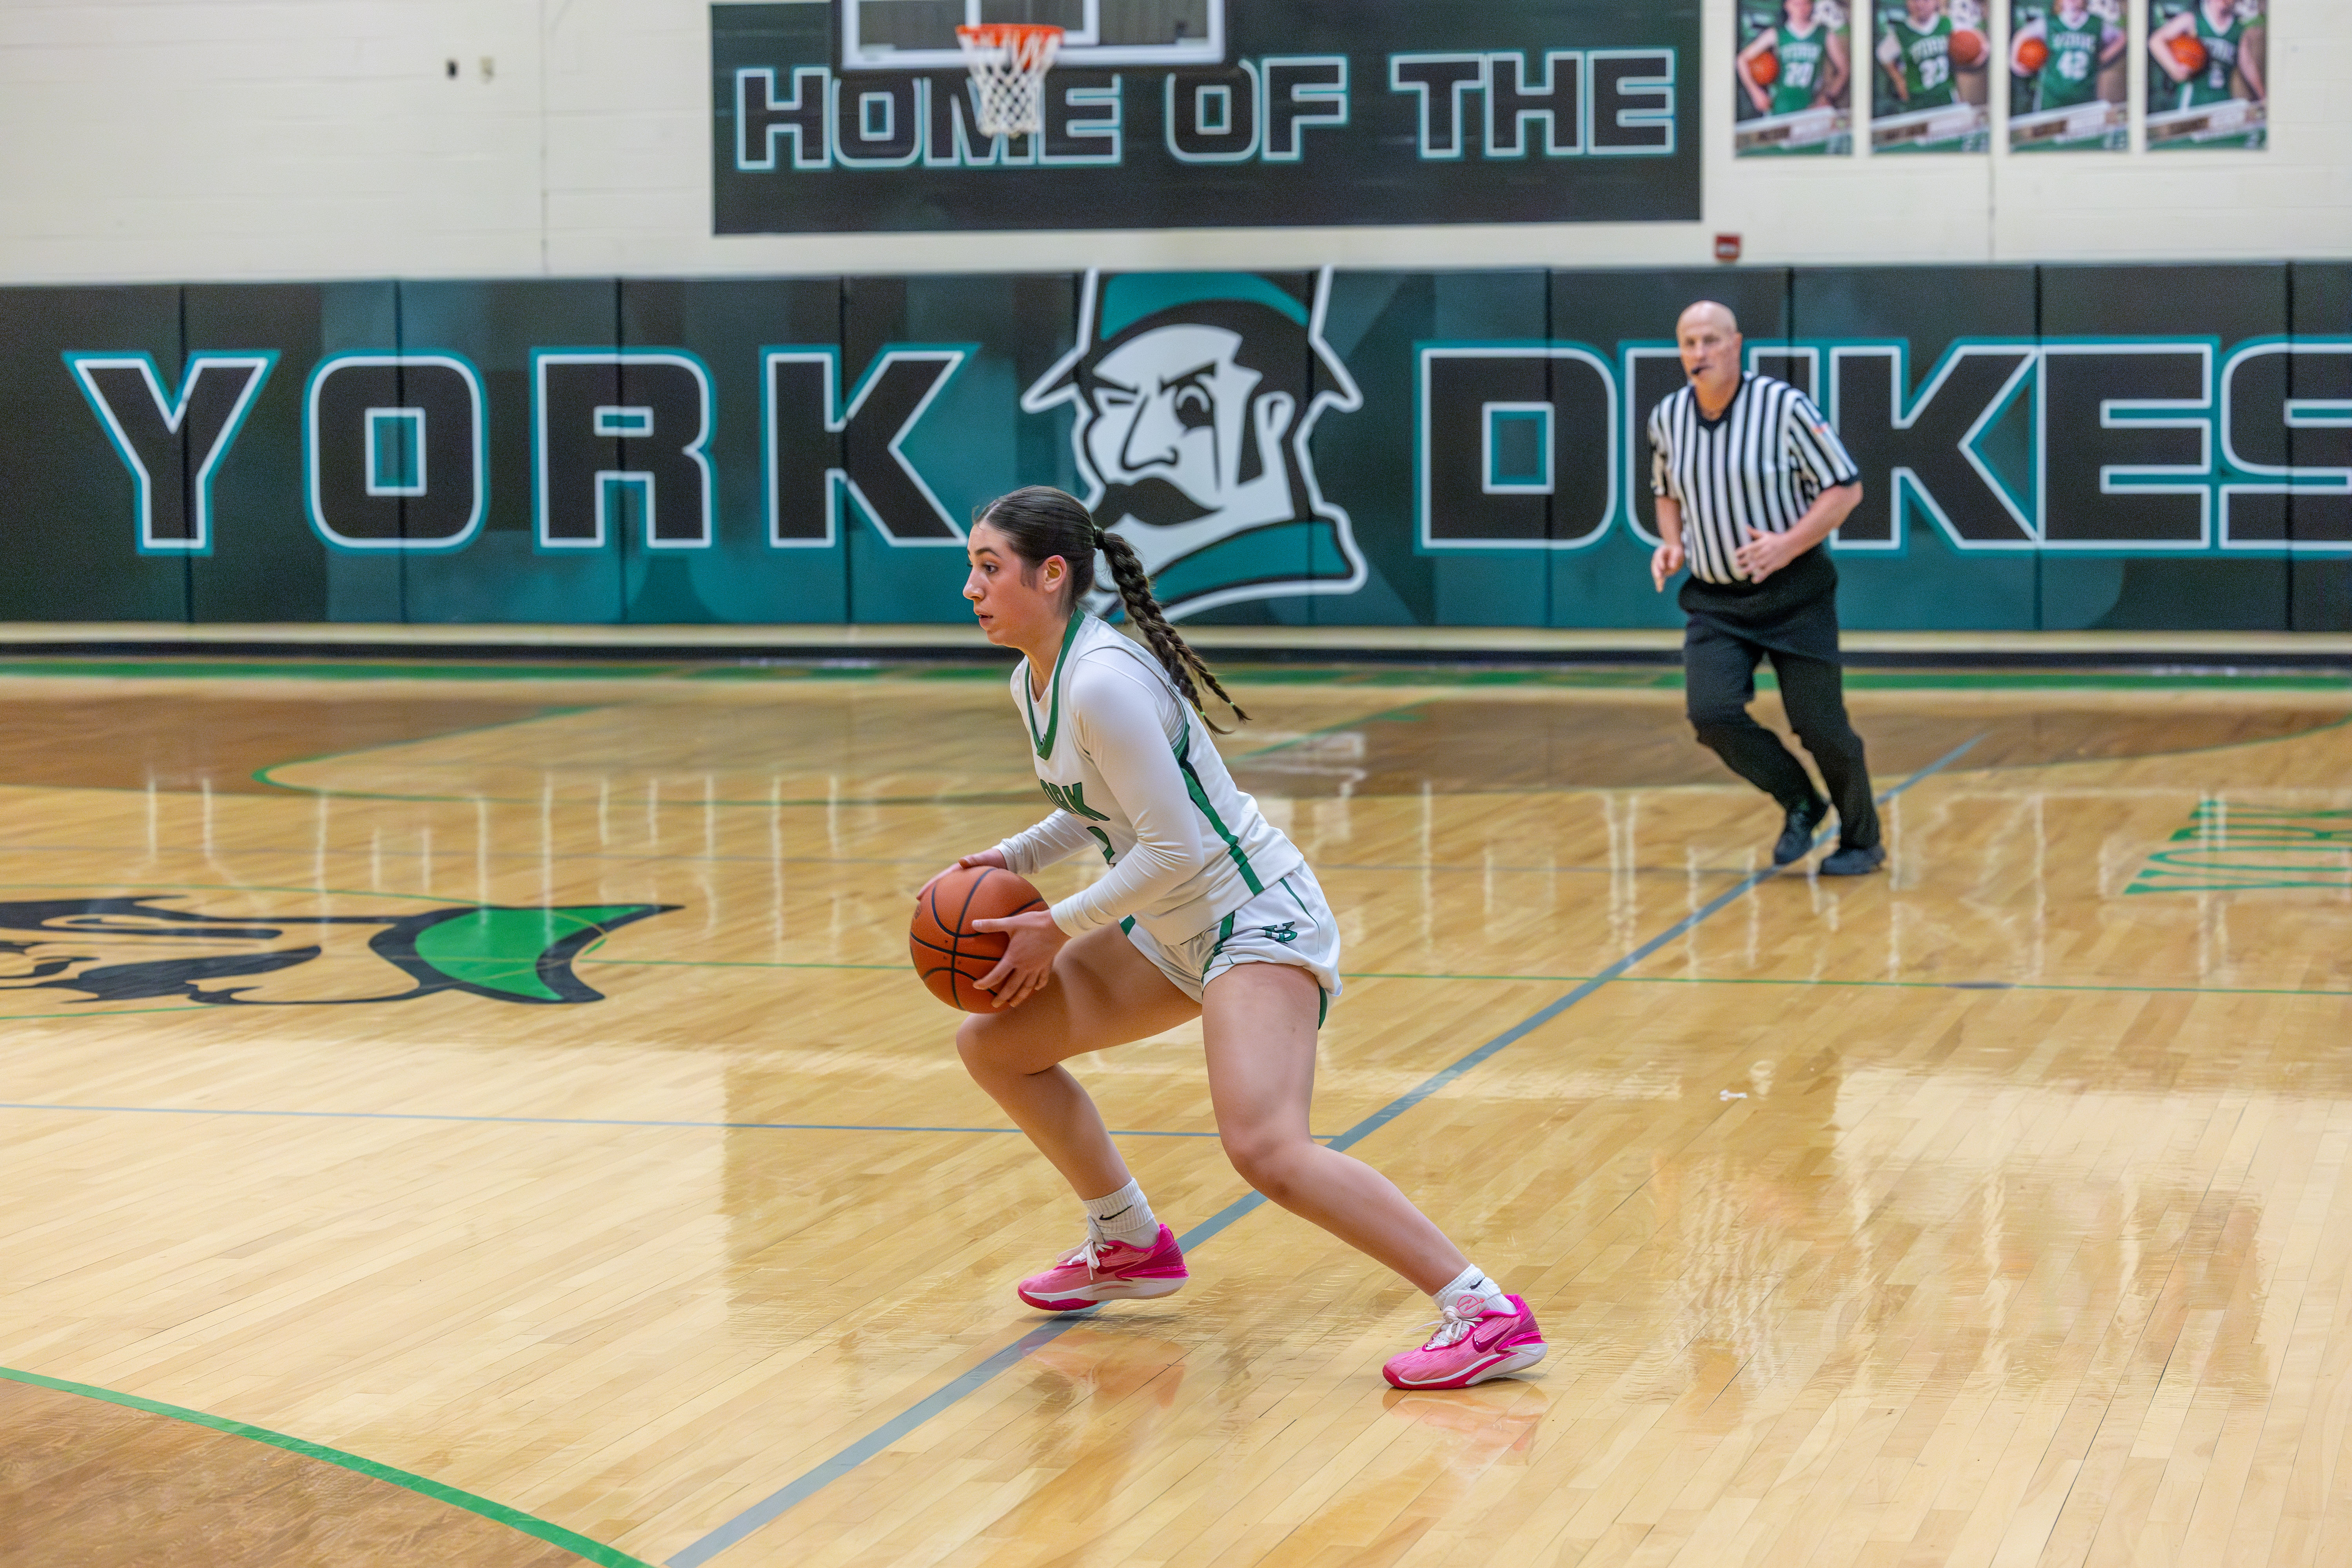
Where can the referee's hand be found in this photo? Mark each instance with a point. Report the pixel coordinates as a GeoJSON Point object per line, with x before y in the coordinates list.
{"type": "Point", "coordinates": [1664, 561]}
{"type": "Point", "coordinates": [1765, 553]}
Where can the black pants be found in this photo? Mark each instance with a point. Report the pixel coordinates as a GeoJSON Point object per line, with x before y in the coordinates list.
{"type": "Point", "coordinates": [1719, 681]}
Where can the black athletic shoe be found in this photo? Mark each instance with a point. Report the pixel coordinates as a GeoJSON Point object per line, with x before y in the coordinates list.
{"type": "Point", "coordinates": [1853, 862]}
{"type": "Point", "coordinates": [1797, 838]}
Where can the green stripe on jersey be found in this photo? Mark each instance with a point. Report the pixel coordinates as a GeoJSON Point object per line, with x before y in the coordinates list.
{"type": "Point", "coordinates": [1045, 742]}
{"type": "Point", "coordinates": [1201, 798]}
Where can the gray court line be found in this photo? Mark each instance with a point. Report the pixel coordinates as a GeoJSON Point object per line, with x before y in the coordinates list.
{"type": "Point", "coordinates": [549, 1121]}
{"type": "Point", "coordinates": [810, 1482]}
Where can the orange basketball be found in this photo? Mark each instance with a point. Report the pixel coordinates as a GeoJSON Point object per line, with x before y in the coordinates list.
{"type": "Point", "coordinates": [948, 954]}
{"type": "Point", "coordinates": [1765, 67]}
{"type": "Point", "coordinates": [2033, 53]}
{"type": "Point", "coordinates": [1967, 47]}
{"type": "Point", "coordinates": [2188, 53]}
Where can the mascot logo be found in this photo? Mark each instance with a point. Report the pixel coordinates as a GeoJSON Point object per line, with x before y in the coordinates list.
{"type": "Point", "coordinates": [1195, 394]}
{"type": "Point", "coordinates": [141, 949]}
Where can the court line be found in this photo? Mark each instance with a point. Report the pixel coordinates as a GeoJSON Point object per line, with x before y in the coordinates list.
{"type": "Point", "coordinates": [514, 1519]}
{"type": "Point", "coordinates": [810, 1482]}
{"type": "Point", "coordinates": [554, 1120]}
{"type": "Point", "coordinates": [697, 670]}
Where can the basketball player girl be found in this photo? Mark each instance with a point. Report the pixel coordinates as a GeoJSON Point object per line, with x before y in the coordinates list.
{"type": "Point", "coordinates": [2073, 46]}
{"type": "Point", "coordinates": [1917, 50]}
{"type": "Point", "coordinates": [1810, 62]}
{"type": "Point", "coordinates": [1207, 911]}
{"type": "Point", "coordinates": [2221, 32]}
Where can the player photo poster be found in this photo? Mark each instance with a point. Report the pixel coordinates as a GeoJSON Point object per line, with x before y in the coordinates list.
{"type": "Point", "coordinates": [1929, 84]}
{"type": "Point", "coordinates": [2209, 80]}
{"type": "Point", "coordinates": [1794, 89]}
{"type": "Point", "coordinates": [2067, 69]}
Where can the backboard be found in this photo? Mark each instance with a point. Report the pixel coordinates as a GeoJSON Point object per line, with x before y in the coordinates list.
{"type": "Point", "coordinates": [919, 35]}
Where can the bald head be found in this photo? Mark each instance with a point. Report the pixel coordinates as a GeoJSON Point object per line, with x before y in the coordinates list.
{"type": "Point", "coordinates": [1709, 336]}
{"type": "Point", "coordinates": [1708, 312]}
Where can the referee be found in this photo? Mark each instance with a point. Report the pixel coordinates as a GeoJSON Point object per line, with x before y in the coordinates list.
{"type": "Point", "coordinates": [1750, 473]}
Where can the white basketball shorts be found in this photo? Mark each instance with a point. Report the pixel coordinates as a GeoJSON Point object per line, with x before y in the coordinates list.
{"type": "Point", "coordinates": [1287, 924]}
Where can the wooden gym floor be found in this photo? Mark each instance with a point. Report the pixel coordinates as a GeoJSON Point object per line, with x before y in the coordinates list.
{"type": "Point", "coordinates": [460, 1119]}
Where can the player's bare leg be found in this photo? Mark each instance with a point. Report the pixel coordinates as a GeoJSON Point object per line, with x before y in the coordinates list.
{"type": "Point", "coordinates": [1259, 1024]}
{"type": "Point", "coordinates": [1104, 992]}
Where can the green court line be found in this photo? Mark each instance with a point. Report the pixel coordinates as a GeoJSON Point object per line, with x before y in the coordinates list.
{"type": "Point", "coordinates": [261, 775]}
{"type": "Point", "coordinates": [514, 1519]}
{"type": "Point", "coordinates": [1662, 677]}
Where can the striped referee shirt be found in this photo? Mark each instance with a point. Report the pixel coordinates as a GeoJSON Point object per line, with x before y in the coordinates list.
{"type": "Point", "coordinates": [1761, 465]}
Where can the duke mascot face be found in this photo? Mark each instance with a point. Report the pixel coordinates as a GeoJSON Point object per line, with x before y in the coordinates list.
{"type": "Point", "coordinates": [1194, 395]}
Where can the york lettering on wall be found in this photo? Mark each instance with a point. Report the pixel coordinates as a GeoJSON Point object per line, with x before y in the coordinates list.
{"type": "Point", "coordinates": [397, 451]}
{"type": "Point", "coordinates": [173, 444]}
{"type": "Point", "coordinates": [617, 447]}
{"type": "Point", "coordinates": [819, 446]}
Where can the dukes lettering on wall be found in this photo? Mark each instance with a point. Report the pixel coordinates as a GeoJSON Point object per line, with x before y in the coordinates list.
{"type": "Point", "coordinates": [1302, 112]}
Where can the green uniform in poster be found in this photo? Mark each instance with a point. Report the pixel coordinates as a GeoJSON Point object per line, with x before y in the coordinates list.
{"type": "Point", "coordinates": [2071, 74]}
{"type": "Point", "coordinates": [2211, 85]}
{"type": "Point", "coordinates": [1927, 58]}
{"type": "Point", "coordinates": [1804, 60]}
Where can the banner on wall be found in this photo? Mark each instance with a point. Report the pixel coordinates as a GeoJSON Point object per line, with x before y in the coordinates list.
{"type": "Point", "coordinates": [859, 115]}
{"type": "Point", "coordinates": [2208, 75]}
{"type": "Point", "coordinates": [1794, 79]}
{"type": "Point", "coordinates": [2067, 70]}
{"type": "Point", "coordinates": [2041, 447]}
{"type": "Point", "coordinates": [1929, 86]}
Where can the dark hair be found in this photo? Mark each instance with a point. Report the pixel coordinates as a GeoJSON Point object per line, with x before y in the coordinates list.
{"type": "Point", "coordinates": [1042, 522]}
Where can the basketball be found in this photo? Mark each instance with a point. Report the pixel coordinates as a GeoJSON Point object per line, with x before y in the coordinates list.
{"type": "Point", "coordinates": [2032, 55]}
{"type": "Point", "coordinates": [2188, 53]}
{"type": "Point", "coordinates": [948, 953]}
{"type": "Point", "coordinates": [1765, 67]}
{"type": "Point", "coordinates": [1967, 47]}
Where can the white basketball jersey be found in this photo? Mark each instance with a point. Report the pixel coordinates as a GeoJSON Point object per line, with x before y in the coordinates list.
{"type": "Point", "coordinates": [1133, 774]}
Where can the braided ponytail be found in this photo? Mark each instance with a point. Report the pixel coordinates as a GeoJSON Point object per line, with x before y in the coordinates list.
{"type": "Point", "coordinates": [1174, 653]}
{"type": "Point", "coordinates": [1041, 522]}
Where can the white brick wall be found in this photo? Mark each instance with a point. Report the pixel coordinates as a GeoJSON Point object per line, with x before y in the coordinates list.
{"type": "Point", "coordinates": [195, 140]}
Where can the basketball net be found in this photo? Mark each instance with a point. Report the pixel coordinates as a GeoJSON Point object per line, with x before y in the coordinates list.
{"type": "Point", "coordinates": [1009, 61]}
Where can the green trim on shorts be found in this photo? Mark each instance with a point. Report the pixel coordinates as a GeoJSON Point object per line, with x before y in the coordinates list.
{"type": "Point", "coordinates": [1126, 926]}
{"type": "Point", "coordinates": [1322, 1006]}
{"type": "Point", "coordinates": [1224, 936]}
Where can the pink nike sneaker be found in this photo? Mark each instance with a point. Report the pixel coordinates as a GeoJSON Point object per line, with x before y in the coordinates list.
{"type": "Point", "coordinates": [1473, 1344]}
{"type": "Point", "coordinates": [1101, 1270]}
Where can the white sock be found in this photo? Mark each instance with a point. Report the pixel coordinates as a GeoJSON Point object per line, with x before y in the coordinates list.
{"type": "Point", "coordinates": [1471, 1282]}
{"type": "Point", "coordinates": [1123, 1216]}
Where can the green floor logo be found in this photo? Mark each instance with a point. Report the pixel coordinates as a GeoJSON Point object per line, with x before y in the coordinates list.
{"type": "Point", "coordinates": [2233, 847]}
{"type": "Point", "coordinates": [141, 948]}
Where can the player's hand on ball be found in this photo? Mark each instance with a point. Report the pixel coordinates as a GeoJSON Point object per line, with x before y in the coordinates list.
{"type": "Point", "coordinates": [1032, 941]}
{"type": "Point", "coordinates": [986, 857]}
{"type": "Point", "coordinates": [1763, 554]}
{"type": "Point", "coordinates": [1664, 561]}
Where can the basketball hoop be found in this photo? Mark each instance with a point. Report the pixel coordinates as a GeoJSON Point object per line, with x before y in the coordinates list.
{"type": "Point", "coordinates": [1009, 61]}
